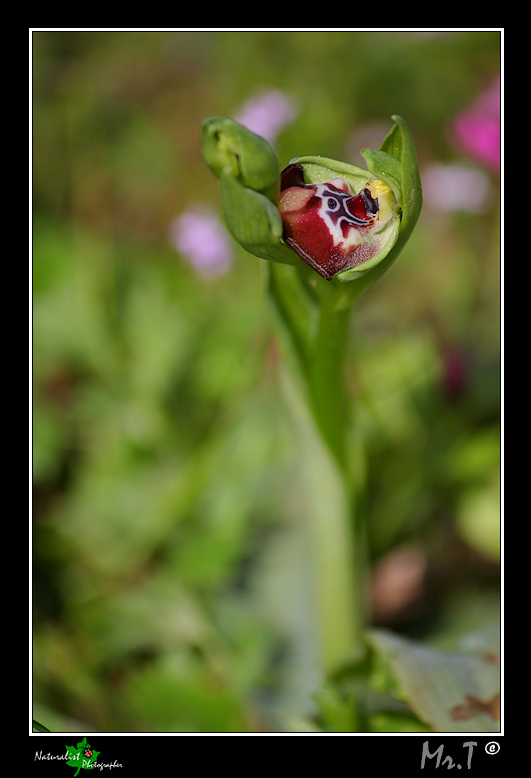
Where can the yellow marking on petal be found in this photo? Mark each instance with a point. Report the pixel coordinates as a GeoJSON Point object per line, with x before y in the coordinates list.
{"type": "Point", "coordinates": [385, 197]}
{"type": "Point", "coordinates": [378, 187]}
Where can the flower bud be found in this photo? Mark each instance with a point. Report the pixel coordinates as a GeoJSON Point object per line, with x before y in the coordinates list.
{"type": "Point", "coordinates": [229, 147]}
{"type": "Point", "coordinates": [249, 177]}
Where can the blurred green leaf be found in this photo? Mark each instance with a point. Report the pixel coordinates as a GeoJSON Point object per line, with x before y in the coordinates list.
{"type": "Point", "coordinates": [450, 692]}
{"type": "Point", "coordinates": [178, 694]}
{"type": "Point", "coordinates": [479, 518]}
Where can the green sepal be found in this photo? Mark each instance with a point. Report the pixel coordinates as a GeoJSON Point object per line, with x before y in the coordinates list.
{"type": "Point", "coordinates": [253, 221]}
{"type": "Point", "coordinates": [399, 144]}
{"type": "Point", "coordinates": [319, 170]}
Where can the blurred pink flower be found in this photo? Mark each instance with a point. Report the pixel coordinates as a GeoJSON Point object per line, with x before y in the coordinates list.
{"type": "Point", "coordinates": [476, 131]}
{"type": "Point", "coordinates": [267, 113]}
{"type": "Point", "coordinates": [397, 583]}
{"type": "Point", "coordinates": [202, 240]}
{"type": "Point", "coordinates": [455, 188]}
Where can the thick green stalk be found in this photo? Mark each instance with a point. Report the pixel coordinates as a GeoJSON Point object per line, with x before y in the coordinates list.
{"type": "Point", "coordinates": [322, 411]}
{"type": "Point", "coordinates": [337, 560]}
{"type": "Point", "coordinates": [339, 555]}
{"type": "Point", "coordinates": [327, 378]}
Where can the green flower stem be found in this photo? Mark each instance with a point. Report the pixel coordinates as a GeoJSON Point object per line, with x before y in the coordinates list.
{"type": "Point", "coordinates": [337, 560]}
{"type": "Point", "coordinates": [327, 379]}
{"type": "Point", "coordinates": [314, 316]}
{"type": "Point", "coordinates": [315, 321]}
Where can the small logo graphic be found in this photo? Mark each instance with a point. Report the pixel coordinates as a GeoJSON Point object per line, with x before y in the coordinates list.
{"type": "Point", "coordinates": [492, 747]}
{"type": "Point", "coordinates": [82, 756]}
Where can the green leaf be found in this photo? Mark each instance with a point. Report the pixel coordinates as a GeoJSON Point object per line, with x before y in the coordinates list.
{"type": "Point", "coordinates": [337, 711]}
{"type": "Point", "coordinates": [450, 692]}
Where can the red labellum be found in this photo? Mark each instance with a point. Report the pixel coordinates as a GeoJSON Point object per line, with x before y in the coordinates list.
{"type": "Point", "coordinates": [326, 224]}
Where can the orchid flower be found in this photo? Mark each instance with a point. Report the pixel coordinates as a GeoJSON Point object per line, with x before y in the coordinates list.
{"type": "Point", "coordinates": [329, 226]}
{"type": "Point", "coordinates": [342, 221]}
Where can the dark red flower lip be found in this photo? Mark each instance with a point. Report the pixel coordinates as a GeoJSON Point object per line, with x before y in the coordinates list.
{"type": "Point", "coordinates": [326, 224]}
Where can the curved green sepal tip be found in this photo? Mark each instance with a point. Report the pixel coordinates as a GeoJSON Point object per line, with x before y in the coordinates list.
{"type": "Point", "coordinates": [399, 144]}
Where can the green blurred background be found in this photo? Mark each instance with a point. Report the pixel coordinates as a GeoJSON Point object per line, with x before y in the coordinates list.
{"type": "Point", "coordinates": [172, 585]}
